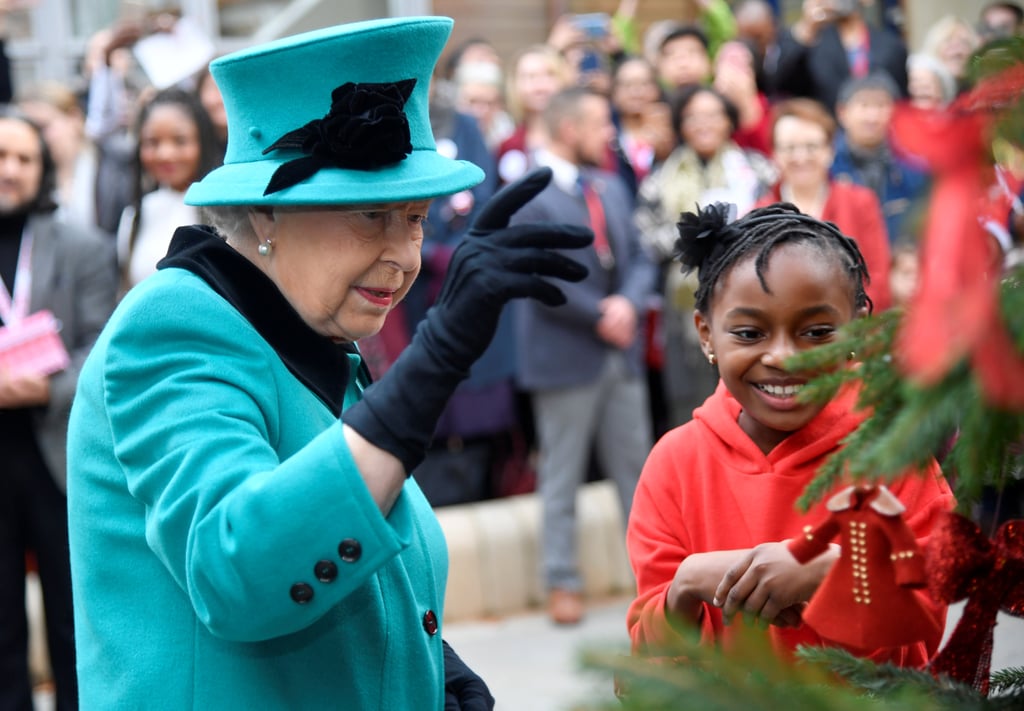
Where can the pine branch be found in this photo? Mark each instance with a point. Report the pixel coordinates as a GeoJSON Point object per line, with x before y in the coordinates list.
{"type": "Point", "coordinates": [750, 676]}
{"type": "Point", "coordinates": [1010, 679]}
{"type": "Point", "coordinates": [910, 424]}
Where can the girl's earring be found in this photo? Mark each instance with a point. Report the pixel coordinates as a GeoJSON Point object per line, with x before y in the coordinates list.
{"type": "Point", "coordinates": [265, 248]}
{"type": "Point", "coordinates": [852, 355]}
{"type": "Point", "coordinates": [712, 358]}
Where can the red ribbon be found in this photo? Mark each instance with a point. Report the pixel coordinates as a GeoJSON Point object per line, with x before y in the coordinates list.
{"type": "Point", "coordinates": [955, 313]}
{"type": "Point", "coordinates": [963, 563]}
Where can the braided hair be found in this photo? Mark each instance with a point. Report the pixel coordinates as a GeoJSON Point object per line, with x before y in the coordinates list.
{"type": "Point", "coordinates": [710, 242]}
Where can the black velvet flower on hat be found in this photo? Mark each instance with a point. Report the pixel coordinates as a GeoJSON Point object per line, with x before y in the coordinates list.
{"type": "Point", "coordinates": [365, 129]}
{"type": "Point", "coordinates": [701, 231]}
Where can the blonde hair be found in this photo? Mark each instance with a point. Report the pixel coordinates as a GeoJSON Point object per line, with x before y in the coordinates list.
{"type": "Point", "coordinates": [556, 63]}
{"type": "Point", "coordinates": [945, 28]}
{"type": "Point", "coordinates": [53, 93]}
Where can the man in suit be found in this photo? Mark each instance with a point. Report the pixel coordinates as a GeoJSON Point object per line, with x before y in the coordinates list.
{"type": "Point", "coordinates": [582, 363]}
{"type": "Point", "coordinates": [44, 265]}
{"type": "Point", "coordinates": [832, 42]}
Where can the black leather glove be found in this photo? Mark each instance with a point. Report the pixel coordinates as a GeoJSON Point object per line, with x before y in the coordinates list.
{"type": "Point", "coordinates": [463, 689]}
{"type": "Point", "coordinates": [494, 264]}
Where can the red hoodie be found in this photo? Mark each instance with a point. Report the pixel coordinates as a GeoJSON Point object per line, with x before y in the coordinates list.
{"type": "Point", "coordinates": [706, 486]}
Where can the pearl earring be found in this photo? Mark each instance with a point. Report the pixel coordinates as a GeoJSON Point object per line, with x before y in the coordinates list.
{"type": "Point", "coordinates": [265, 248]}
{"type": "Point", "coordinates": [712, 359]}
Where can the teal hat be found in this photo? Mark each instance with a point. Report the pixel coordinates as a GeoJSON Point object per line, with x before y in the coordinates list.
{"type": "Point", "coordinates": [337, 116]}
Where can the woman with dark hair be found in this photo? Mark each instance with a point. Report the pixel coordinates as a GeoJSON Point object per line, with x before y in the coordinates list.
{"type": "Point", "coordinates": [176, 146]}
{"type": "Point", "coordinates": [57, 289]}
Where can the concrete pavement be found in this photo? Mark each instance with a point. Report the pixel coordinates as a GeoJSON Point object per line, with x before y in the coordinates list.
{"type": "Point", "coordinates": [532, 665]}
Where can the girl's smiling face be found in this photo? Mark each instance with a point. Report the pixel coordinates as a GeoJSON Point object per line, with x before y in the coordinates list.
{"type": "Point", "coordinates": [752, 331]}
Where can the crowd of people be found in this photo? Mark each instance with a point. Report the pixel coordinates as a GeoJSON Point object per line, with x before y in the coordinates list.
{"type": "Point", "coordinates": [732, 105]}
{"type": "Point", "coordinates": [636, 128]}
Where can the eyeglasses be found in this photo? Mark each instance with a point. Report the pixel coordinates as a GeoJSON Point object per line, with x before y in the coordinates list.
{"type": "Point", "coordinates": [793, 148]}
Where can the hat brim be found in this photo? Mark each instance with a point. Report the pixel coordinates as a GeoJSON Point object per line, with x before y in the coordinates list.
{"type": "Point", "coordinates": [422, 175]}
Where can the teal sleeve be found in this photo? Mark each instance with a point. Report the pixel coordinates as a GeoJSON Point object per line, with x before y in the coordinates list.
{"type": "Point", "coordinates": [237, 507]}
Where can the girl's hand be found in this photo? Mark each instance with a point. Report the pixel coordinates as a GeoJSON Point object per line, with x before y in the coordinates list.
{"type": "Point", "coordinates": [768, 583]}
{"type": "Point", "coordinates": [695, 582]}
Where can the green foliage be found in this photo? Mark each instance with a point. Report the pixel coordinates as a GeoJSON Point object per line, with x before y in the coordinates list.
{"type": "Point", "coordinates": [749, 677]}
{"type": "Point", "coordinates": [909, 423]}
{"type": "Point", "coordinates": [887, 681]}
{"type": "Point", "coordinates": [1008, 681]}
{"type": "Point", "coordinates": [752, 677]}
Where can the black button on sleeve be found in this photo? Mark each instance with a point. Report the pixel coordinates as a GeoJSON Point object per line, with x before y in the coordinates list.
{"type": "Point", "coordinates": [302, 593]}
{"type": "Point", "coordinates": [325, 571]}
{"type": "Point", "coordinates": [350, 550]}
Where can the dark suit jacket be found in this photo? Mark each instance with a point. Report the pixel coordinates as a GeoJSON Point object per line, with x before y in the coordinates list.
{"type": "Point", "coordinates": [820, 69]}
{"type": "Point", "coordinates": [74, 275]}
{"type": "Point", "coordinates": [558, 347]}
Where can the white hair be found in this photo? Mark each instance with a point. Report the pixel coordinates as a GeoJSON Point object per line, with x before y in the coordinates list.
{"type": "Point", "coordinates": [931, 63]}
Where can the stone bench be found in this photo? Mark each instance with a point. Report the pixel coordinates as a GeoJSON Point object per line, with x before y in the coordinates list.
{"type": "Point", "coordinates": [493, 549]}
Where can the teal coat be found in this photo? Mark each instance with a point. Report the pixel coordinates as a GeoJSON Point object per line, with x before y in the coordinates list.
{"type": "Point", "coordinates": [206, 483]}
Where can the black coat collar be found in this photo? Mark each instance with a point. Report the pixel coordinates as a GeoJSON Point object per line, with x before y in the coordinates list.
{"type": "Point", "coordinates": [320, 364]}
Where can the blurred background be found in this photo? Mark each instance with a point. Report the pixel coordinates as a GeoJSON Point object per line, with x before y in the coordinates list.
{"type": "Point", "coordinates": [48, 38]}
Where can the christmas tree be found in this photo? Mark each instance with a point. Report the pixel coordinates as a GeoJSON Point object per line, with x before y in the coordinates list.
{"type": "Point", "coordinates": [943, 378]}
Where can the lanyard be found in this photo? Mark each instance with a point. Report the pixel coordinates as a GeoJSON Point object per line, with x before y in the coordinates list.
{"type": "Point", "coordinates": [14, 307]}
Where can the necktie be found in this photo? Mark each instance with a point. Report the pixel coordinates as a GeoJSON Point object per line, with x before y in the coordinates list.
{"type": "Point", "coordinates": [598, 224]}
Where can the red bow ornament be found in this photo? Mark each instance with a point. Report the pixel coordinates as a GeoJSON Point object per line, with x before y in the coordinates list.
{"type": "Point", "coordinates": [963, 563]}
{"type": "Point", "coordinates": [955, 312]}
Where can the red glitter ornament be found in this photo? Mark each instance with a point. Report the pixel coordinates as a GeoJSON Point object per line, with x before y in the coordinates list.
{"type": "Point", "coordinates": [963, 563]}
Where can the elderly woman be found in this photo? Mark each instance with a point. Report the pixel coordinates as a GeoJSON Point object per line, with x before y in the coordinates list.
{"type": "Point", "coordinates": [243, 531]}
{"type": "Point", "coordinates": [802, 136]}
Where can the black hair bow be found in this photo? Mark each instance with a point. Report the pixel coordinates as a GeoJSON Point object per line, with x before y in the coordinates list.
{"type": "Point", "coordinates": [701, 231]}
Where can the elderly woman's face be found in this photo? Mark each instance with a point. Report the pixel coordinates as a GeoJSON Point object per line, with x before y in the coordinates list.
{"type": "Point", "coordinates": [344, 269]}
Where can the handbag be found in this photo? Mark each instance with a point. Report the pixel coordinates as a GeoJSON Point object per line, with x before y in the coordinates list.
{"type": "Point", "coordinates": [33, 346]}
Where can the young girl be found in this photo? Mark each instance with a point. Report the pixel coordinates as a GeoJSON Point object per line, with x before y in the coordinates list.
{"type": "Point", "coordinates": [715, 503]}
{"type": "Point", "coordinates": [177, 146]}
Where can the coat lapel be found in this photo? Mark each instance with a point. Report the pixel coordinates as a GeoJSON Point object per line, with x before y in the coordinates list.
{"type": "Point", "coordinates": [45, 274]}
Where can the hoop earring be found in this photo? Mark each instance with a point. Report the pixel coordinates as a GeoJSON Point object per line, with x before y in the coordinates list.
{"type": "Point", "coordinates": [265, 248]}
{"type": "Point", "coordinates": [712, 359]}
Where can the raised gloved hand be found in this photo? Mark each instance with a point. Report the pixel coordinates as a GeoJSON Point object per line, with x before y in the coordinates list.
{"type": "Point", "coordinates": [494, 264]}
